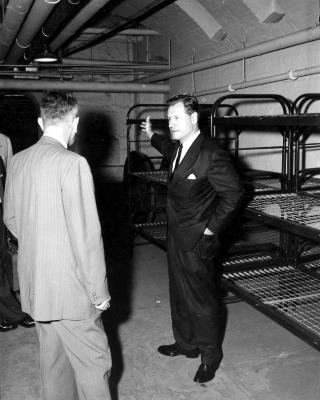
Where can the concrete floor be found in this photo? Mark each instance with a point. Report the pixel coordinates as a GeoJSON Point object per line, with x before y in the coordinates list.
{"type": "Point", "coordinates": [262, 360]}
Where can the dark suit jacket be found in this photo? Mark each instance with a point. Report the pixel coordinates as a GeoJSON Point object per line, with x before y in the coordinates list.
{"type": "Point", "coordinates": [209, 200]}
{"type": "Point", "coordinates": [50, 207]}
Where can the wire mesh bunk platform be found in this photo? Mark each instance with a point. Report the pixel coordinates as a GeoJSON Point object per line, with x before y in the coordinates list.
{"type": "Point", "coordinates": [257, 184]}
{"type": "Point", "coordinates": [159, 177]}
{"type": "Point", "coordinates": [257, 245]}
{"type": "Point", "coordinates": [287, 294]}
{"type": "Point", "coordinates": [298, 213]}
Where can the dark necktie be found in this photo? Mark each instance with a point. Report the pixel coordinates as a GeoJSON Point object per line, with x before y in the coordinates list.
{"type": "Point", "coordinates": [178, 158]}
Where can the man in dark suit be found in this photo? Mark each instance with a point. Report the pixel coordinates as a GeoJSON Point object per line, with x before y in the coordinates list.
{"type": "Point", "coordinates": [203, 194]}
{"type": "Point", "coordinates": [50, 207]}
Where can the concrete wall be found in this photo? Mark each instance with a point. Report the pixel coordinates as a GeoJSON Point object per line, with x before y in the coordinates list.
{"type": "Point", "coordinates": [219, 78]}
{"type": "Point", "coordinates": [102, 129]}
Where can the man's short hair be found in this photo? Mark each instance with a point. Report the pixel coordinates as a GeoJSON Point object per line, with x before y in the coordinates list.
{"type": "Point", "coordinates": [190, 102]}
{"type": "Point", "coordinates": [56, 105]}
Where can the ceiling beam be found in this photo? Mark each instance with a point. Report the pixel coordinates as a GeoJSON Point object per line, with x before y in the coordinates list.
{"type": "Point", "coordinates": [267, 11]}
{"type": "Point", "coordinates": [209, 25]}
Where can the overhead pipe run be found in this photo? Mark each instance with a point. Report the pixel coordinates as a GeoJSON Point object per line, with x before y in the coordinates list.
{"type": "Point", "coordinates": [232, 87]}
{"type": "Point", "coordinates": [129, 32]}
{"type": "Point", "coordinates": [139, 16]}
{"type": "Point", "coordinates": [35, 19]}
{"type": "Point", "coordinates": [15, 13]}
{"type": "Point", "coordinates": [117, 87]}
{"type": "Point", "coordinates": [284, 42]}
{"type": "Point", "coordinates": [80, 19]}
{"type": "Point", "coordinates": [64, 12]}
{"type": "Point", "coordinates": [107, 63]}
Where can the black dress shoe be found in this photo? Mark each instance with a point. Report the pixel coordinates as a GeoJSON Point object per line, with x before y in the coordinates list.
{"type": "Point", "coordinates": [171, 350]}
{"type": "Point", "coordinates": [27, 322]}
{"type": "Point", "coordinates": [6, 326]}
{"type": "Point", "coordinates": [205, 373]}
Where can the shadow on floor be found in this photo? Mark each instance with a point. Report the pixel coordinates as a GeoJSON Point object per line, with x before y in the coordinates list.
{"type": "Point", "coordinates": [118, 241]}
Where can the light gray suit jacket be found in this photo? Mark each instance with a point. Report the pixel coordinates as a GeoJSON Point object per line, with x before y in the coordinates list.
{"type": "Point", "coordinates": [50, 207]}
{"type": "Point", "coordinates": [5, 149]}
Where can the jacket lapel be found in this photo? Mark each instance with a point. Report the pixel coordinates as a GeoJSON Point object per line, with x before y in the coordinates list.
{"type": "Point", "coordinates": [190, 157]}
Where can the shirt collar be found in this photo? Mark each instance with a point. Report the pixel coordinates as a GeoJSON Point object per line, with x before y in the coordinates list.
{"type": "Point", "coordinates": [187, 143]}
{"type": "Point", "coordinates": [58, 138]}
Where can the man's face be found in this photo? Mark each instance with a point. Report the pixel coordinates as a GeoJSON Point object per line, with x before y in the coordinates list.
{"type": "Point", "coordinates": [181, 124]}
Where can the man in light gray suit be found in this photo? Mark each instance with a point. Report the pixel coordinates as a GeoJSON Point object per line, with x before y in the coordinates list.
{"type": "Point", "coordinates": [50, 207]}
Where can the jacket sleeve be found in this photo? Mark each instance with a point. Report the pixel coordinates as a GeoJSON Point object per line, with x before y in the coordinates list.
{"type": "Point", "coordinates": [227, 184]}
{"type": "Point", "coordinates": [84, 229]}
{"type": "Point", "coordinates": [8, 155]}
{"type": "Point", "coordinates": [8, 206]}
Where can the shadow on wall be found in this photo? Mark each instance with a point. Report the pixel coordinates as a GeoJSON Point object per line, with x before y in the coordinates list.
{"type": "Point", "coordinates": [95, 139]}
{"type": "Point", "coordinates": [18, 120]}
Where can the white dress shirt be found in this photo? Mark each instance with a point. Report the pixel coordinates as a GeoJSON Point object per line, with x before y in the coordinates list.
{"type": "Point", "coordinates": [185, 147]}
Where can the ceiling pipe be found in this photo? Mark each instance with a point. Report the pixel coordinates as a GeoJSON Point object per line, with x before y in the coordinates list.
{"type": "Point", "coordinates": [283, 42]}
{"type": "Point", "coordinates": [79, 20]}
{"type": "Point", "coordinates": [232, 87]}
{"type": "Point", "coordinates": [59, 18]}
{"type": "Point", "coordinates": [35, 19]}
{"type": "Point", "coordinates": [134, 19]}
{"type": "Point", "coordinates": [116, 87]}
{"type": "Point", "coordinates": [132, 31]}
{"type": "Point", "coordinates": [102, 63]}
{"type": "Point", "coordinates": [12, 21]}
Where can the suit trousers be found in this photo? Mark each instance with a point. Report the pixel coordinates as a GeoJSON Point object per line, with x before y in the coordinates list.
{"type": "Point", "coordinates": [196, 310]}
{"type": "Point", "coordinates": [74, 360]}
{"type": "Point", "coordinates": [10, 309]}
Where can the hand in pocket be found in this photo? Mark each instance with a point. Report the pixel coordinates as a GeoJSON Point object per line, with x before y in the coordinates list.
{"type": "Point", "coordinates": [208, 246]}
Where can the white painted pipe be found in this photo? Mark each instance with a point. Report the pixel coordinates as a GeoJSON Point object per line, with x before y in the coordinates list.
{"type": "Point", "coordinates": [294, 39]}
{"type": "Point", "coordinates": [108, 63]}
{"type": "Point", "coordinates": [132, 32]}
{"type": "Point", "coordinates": [36, 17]}
{"type": "Point", "coordinates": [12, 21]}
{"type": "Point", "coordinates": [232, 87]}
{"type": "Point", "coordinates": [79, 86]}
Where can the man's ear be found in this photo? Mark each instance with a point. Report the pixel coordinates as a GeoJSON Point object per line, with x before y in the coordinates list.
{"type": "Point", "coordinates": [194, 118]}
{"type": "Point", "coordinates": [40, 123]}
{"type": "Point", "coordinates": [75, 124]}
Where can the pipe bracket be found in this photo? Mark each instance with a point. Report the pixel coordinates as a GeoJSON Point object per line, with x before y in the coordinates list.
{"type": "Point", "coordinates": [292, 75]}
{"type": "Point", "coordinates": [230, 88]}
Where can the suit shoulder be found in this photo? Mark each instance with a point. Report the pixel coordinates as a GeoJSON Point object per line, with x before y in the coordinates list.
{"type": "Point", "coordinates": [74, 161]}
{"type": "Point", "coordinates": [212, 144]}
{"type": "Point", "coordinates": [76, 158]}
